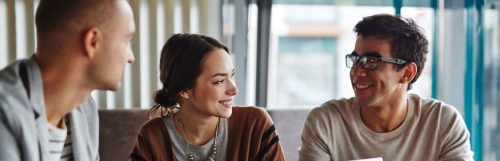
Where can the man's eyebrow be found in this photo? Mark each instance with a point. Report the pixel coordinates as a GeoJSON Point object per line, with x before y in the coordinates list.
{"type": "Point", "coordinates": [374, 54]}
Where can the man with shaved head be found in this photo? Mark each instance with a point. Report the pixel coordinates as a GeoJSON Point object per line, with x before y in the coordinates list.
{"type": "Point", "coordinates": [46, 112]}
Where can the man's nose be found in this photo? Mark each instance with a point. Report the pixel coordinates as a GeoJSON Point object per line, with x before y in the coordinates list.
{"type": "Point", "coordinates": [357, 70]}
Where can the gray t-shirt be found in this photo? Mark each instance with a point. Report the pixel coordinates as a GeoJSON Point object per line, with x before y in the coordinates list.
{"type": "Point", "coordinates": [431, 131]}
{"type": "Point", "coordinates": [200, 153]}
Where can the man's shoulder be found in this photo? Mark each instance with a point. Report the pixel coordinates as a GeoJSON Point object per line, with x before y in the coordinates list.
{"type": "Point", "coordinates": [8, 100]}
{"type": "Point", "coordinates": [342, 104]}
{"type": "Point", "coordinates": [12, 91]}
{"type": "Point", "coordinates": [432, 110]}
{"type": "Point", "coordinates": [10, 79]}
{"type": "Point", "coordinates": [430, 105]}
{"type": "Point", "coordinates": [336, 108]}
{"type": "Point", "coordinates": [12, 96]}
{"type": "Point", "coordinates": [9, 76]}
{"type": "Point", "coordinates": [15, 111]}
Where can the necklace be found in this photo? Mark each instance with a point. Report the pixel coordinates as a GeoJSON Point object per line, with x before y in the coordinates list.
{"type": "Point", "coordinates": [213, 148]}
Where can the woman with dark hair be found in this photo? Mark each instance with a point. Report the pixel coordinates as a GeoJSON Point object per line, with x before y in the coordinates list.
{"type": "Point", "coordinates": [194, 118]}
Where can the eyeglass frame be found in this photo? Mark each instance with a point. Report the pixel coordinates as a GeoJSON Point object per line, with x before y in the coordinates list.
{"type": "Point", "coordinates": [376, 58]}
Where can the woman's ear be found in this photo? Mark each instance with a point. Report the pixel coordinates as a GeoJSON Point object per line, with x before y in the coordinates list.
{"type": "Point", "coordinates": [410, 70]}
{"type": "Point", "coordinates": [186, 94]}
{"type": "Point", "coordinates": [92, 39]}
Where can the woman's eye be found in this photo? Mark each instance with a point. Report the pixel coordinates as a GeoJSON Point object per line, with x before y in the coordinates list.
{"type": "Point", "coordinates": [219, 82]}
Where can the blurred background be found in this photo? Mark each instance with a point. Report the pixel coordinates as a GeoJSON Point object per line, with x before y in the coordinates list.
{"type": "Point", "coordinates": [289, 54]}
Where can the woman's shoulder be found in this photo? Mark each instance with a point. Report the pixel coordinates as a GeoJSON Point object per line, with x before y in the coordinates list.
{"type": "Point", "coordinates": [249, 110]}
{"type": "Point", "coordinates": [250, 114]}
{"type": "Point", "coordinates": [152, 126]}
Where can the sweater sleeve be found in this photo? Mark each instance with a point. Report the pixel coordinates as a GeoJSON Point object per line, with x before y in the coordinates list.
{"type": "Point", "coordinates": [270, 149]}
{"type": "Point", "coordinates": [313, 143]}
{"type": "Point", "coordinates": [252, 136]}
{"type": "Point", "coordinates": [151, 143]}
{"type": "Point", "coordinates": [141, 150]}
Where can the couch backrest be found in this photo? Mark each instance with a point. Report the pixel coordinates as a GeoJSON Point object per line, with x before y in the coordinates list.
{"type": "Point", "coordinates": [118, 130]}
{"type": "Point", "coordinates": [289, 124]}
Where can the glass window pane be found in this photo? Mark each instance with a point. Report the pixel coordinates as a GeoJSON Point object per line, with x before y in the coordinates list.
{"type": "Point", "coordinates": [491, 134]}
{"type": "Point", "coordinates": [308, 44]}
{"type": "Point", "coordinates": [424, 17]}
{"type": "Point", "coordinates": [299, 61]}
{"type": "Point", "coordinates": [3, 39]}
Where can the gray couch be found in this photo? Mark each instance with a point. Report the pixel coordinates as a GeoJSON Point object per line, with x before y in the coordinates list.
{"type": "Point", "coordinates": [118, 129]}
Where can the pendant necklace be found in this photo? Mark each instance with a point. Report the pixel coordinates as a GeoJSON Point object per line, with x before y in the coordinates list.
{"type": "Point", "coordinates": [213, 149]}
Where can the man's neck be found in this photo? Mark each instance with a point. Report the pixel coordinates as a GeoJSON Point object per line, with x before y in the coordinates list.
{"type": "Point", "coordinates": [63, 89]}
{"type": "Point", "coordinates": [385, 118]}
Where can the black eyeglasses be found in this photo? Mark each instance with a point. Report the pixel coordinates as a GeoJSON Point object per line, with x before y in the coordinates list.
{"type": "Point", "coordinates": [369, 62]}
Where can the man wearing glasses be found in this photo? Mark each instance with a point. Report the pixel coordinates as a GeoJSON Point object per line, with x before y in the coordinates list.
{"type": "Point", "coordinates": [383, 121]}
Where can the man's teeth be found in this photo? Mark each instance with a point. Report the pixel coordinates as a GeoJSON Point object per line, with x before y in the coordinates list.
{"type": "Point", "coordinates": [361, 86]}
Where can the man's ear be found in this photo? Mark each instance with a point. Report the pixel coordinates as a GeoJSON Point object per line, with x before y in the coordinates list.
{"type": "Point", "coordinates": [409, 72]}
{"type": "Point", "coordinates": [92, 39]}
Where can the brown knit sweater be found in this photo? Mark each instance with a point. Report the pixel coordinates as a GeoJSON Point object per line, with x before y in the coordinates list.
{"type": "Point", "coordinates": [251, 137]}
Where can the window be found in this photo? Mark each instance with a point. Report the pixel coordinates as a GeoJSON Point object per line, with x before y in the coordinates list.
{"type": "Point", "coordinates": [308, 43]}
{"type": "Point", "coordinates": [491, 113]}
{"type": "Point", "coordinates": [301, 80]}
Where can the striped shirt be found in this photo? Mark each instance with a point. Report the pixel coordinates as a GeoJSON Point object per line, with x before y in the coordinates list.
{"type": "Point", "coordinates": [67, 152]}
{"type": "Point", "coordinates": [57, 138]}
{"type": "Point", "coordinates": [60, 145]}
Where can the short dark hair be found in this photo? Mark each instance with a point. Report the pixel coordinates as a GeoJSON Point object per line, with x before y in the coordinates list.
{"type": "Point", "coordinates": [180, 66]}
{"type": "Point", "coordinates": [59, 15]}
{"type": "Point", "coordinates": [405, 37]}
